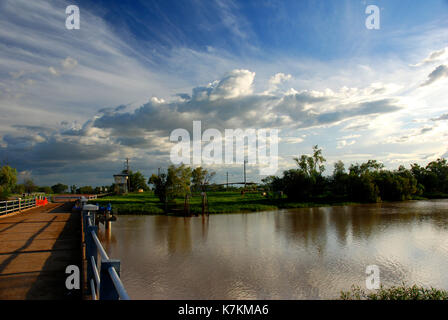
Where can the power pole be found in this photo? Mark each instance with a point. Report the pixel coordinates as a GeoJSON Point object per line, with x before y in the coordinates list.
{"type": "Point", "coordinates": [227, 188]}
{"type": "Point", "coordinates": [127, 172]}
{"type": "Point", "coordinates": [158, 172]}
{"type": "Point", "coordinates": [245, 161]}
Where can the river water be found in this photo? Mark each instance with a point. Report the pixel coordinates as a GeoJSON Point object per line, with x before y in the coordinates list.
{"type": "Point", "coordinates": [287, 254]}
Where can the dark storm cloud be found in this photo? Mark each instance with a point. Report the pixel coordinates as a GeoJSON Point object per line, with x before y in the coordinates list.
{"type": "Point", "coordinates": [438, 73]}
{"type": "Point", "coordinates": [424, 130]}
{"type": "Point", "coordinates": [441, 117]}
{"type": "Point", "coordinates": [362, 109]}
{"type": "Point", "coordinates": [26, 154]}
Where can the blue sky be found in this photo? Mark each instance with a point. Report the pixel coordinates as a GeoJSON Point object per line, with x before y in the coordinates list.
{"type": "Point", "coordinates": [75, 103]}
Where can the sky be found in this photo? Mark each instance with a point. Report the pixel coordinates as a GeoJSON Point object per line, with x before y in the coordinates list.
{"type": "Point", "coordinates": [75, 104]}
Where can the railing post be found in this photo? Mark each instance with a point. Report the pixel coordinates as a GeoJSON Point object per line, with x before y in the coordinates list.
{"type": "Point", "coordinates": [6, 206]}
{"type": "Point", "coordinates": [20, 201]}
{"type": "Point", "coordinates": [107, 287]}
{"type": "Point", "coordinates": [91, 249]}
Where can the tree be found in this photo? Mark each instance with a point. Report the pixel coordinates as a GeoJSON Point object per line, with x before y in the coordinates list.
{"type": "Point", "coordinates": [366, 167]}
{"type": "Point", "coordinates": [85, 190]}
{"type": "Point", "coordinates": [363, 188]}
{"type": "Point", "coordinates": [179, 180]}
{"type": "Point", "coordinates": [176, 183]}
{"type": "Point", "coordinates": [340, 179]}
{"type": "Point", "coordinates": [339, 168]}
{"type": "Point", "coordinates": [137, 181]}
{"type": "Point", "coordinates": [160, 184]}
{"type": "Point", "coordinates": [8, 180]}
{"type": "Point", "coordinates": [270, 182]}
{"type": "Point", "coordinates": [30, 186]}
{"type": "Point", "coordinates": [73, 189]}
{"type": "Point", "coordinates": [45, 189]}
{"type": "Point", "coordinates": [439, 170]}
{"type": "Point", "coordinates": [19, 189]}
{"type": "Point", "coordinates": [433, 178]}
{"type": "Point", "coordinates": [318, 159]}
{"type": "Point", "coordinates": [312, 165]}
{"type": "Point", "coordinates": [59, 188]}
{"type": "Point", "coordinates": [297, 184]}
{"type": "Point", "coordinates": [201, 177]}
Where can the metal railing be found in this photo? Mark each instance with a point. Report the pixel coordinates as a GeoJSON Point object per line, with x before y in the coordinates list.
{"type": "Point", "coordinates": [68, 197]}
{"type": "Point", "coordinates": [104, 280]}
{"type": "Point", "coordinates": [11, 206]}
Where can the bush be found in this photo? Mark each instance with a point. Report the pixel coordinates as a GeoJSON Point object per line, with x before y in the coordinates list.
{"type": "Point", "coordinates": [396, 293]}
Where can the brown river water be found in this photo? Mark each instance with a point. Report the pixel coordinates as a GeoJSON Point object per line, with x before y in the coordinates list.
{"type": "Point", "coordinates": [287, 254]}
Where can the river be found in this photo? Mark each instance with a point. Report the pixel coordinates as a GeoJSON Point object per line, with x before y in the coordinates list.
{"type": "Point", "coordinates": [309, 253]}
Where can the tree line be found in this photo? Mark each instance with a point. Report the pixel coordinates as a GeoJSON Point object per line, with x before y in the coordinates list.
{"type": "Point", "coordinates": [365, 182]}
{"type": "Point", "coordinates": [177, 182]}
{"type": "Point", "coordinates": [9, 186]}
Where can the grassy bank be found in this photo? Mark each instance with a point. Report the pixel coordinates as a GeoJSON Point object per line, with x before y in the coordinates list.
{"type": "Point", "coordinates": [218, 202]}
{"type": "Point", "coordinates": [402, 292]}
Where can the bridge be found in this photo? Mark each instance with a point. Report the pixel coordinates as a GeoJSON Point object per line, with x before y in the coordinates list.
{"type": "Point", "coordinates": [39, 240]}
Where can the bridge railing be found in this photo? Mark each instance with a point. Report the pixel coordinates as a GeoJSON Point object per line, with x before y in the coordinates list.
{"type": "Point", "coordinates": [68, 198]}
{"type": "Point", "coordinates": [103, 275]}
{"type": "Point", "coordinates": [11, 206]}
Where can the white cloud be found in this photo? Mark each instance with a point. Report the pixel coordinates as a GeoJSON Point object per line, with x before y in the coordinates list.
{"type": "Point", "coordinates": [53, 71]}
{"type": "Point", "coordinates": [434, 56]}
{"type": "Point", "coordinates": [235, 84]}
{"type": "Point", "coordinates": [69, 63]}
{"type": "Point", "coordinates": [344, 143]}
{"type": "Point", "coordinates": [276, 80]}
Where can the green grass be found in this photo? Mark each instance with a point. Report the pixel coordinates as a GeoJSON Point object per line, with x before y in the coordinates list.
{"type": "Point", "coordinates": [402, 292]}
{"type": "Point", "coordinates": [218, 202]}
{"type": "Point", "coordinates": [134, 203]}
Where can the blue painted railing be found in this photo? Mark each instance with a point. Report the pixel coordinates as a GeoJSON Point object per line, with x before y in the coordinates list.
{"type": "Point", "coordinates": [104, 281]}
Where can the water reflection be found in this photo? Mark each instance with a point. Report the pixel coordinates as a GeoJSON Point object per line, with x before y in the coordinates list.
{"type": "Point", "coordinates": [288, 254]}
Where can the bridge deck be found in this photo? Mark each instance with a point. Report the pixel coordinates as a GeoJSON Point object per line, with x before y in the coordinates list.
{"type": "Point", "coordinates": [35, 248]}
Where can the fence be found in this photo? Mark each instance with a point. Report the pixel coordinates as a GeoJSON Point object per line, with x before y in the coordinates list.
{"type": "Point", "coordinates": [11, 206]}
{"type": "Point", "coordinates": [104, 281]}
{"type": "Point", "coordinates": [68, 197]}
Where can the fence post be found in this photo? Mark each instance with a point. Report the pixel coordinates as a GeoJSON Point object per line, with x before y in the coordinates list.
{"type": "Point", "coordinates": [20, 202]}
{"type": "Point", "coordinates": [107, 287]}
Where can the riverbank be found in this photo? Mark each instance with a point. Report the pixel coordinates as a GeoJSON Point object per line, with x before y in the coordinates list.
{"type": "Point", "coordinates": [218, 202]}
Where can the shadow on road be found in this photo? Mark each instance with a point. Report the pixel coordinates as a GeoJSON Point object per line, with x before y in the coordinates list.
{"type": "Point", "coordinates": [50, 283]}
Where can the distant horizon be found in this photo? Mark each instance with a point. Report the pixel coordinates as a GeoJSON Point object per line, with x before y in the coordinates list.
{"type": "Point", "coordinates": [76, 103]}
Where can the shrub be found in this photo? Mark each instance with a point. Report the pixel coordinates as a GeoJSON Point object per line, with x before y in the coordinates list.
{"type": "Point", "coordinates": [396, 293]}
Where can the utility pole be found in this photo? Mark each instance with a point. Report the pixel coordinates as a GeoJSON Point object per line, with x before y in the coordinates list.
{"type": "Point", "coordinates": [158, 172]}
{"type": "Point", "coordinates": [227, 188]}
{"type": "Point", "coordinates": [127, 172]}
{"type": "Point", "coordinates": [245, 161]}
